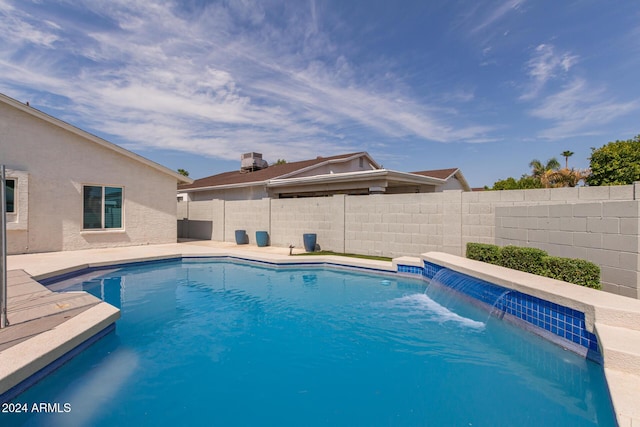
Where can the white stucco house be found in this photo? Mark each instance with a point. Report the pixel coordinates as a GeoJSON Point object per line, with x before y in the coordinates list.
{"type": "Point", "coordinates": [68, 189]}
{"type": "Point", "coordinates": [352, 174]}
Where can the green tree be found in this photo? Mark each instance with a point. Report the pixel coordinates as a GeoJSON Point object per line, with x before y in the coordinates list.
{"type": "Point", "coordinates": [616, 163]}
{"type": "Point", "coordinates": [183, 172]}
{"type": "Point", "coordinates": [525, 182]}
{"type": "Point", "coordinates": [566, 155]}
{"type": "Point", "coordinates": [538, 169]}
{"type": "Point", "coordinates": [279, 162]}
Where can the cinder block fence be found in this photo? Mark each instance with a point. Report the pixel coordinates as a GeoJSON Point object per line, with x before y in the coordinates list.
{"type": "Point", "coordinates": [599, 224]}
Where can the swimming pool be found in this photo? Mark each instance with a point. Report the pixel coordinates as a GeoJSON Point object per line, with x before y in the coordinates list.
{"type": "Point", "coordinates": [222, 343]}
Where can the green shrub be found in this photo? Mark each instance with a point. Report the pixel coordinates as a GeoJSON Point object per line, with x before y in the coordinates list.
{"type": "Point", "coordinates": [572, 270]}
{"type": "Point", "coordinates": [523, 259]}
{"type": "Point", "coordinates": [484, 252]}
{"type": "Point", "coordinates": [537, 261]}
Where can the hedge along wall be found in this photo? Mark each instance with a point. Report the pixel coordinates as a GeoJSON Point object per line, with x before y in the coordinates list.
{"type": "Point", "coordinates": [537, 261]}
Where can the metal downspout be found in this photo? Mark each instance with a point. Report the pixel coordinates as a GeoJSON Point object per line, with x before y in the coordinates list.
{"type": "Point", "coordinates": [3, 249]}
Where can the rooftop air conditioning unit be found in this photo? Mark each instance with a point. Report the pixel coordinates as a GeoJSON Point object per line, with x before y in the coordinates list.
{"type": "Point", "coordinates": [250, 162]}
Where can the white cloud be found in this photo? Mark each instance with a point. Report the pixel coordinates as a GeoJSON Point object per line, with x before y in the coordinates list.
{"type": "Point", "coordinates": [579, 109]}
{"type": "Point", "coordinates": [16, 30]}
{"type": "Point", "coordinates": [497, 13]}
{"type": "Point", "coordinates": [546, 64]}
{"type": "Point", "coordinates": [214, 81]}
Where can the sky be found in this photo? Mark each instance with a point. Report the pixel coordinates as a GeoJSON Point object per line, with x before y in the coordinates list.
{"type": "Point", "coordinates": [482, 85]}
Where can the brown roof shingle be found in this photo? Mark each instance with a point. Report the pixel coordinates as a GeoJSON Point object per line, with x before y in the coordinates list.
{"type": "Point", "coordinates": [437, 173]}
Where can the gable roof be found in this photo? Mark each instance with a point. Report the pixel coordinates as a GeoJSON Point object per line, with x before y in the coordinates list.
{"type": "Point", "coordinates": [446, 174]}
{"type": "Point", "coordinates": [438, 173]}
{"type": "Point", "coordinates": [93, 138]}
{"type": "Point", "coordinates": [272, 172]}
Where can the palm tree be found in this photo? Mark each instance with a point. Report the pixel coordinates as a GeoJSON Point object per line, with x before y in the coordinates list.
{"type": "Point", "coordinates": [566, 155]}
{"type": "Point", "coordinates": [567, 177]}
{"type": "Point", "coordinates": [543, 171]}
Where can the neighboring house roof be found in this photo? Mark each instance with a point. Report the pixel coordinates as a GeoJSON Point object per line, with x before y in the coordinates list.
{"type": "Point", "coordinates": [446, 174]}
{"type": "Point", "coordinates": [437, 173]}
{"type": "Point", "coordinates": [359, 176]}
{"type": "Point", "coordinates": [93, 138]}
{"type": "Point", "coordinates": [286, 175]}
{"type": "Point", "coordinates": [281, 171]}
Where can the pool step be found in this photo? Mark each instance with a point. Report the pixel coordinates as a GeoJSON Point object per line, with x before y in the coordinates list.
{"type": "Point", "coordinates": [621, 347]}
{"type": "Point", "coordinates": [28, 300]}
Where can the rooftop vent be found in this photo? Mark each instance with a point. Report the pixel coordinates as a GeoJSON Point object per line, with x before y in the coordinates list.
{"type": "Point", "coordinates": [250, 162]}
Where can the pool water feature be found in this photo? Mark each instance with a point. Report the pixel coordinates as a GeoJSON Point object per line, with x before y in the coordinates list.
{"type": "Point", "coordinates": [220, 343]}
{"type": "Point", "coordinates": [555, 322]}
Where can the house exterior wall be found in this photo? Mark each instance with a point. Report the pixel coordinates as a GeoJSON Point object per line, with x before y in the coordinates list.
{"type": "Point", "coordinates": [452, 184]}
{"type": "Point", "coordinates": [58, 163]}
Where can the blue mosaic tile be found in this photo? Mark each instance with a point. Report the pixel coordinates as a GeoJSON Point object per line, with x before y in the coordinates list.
{"type": "Point", "coordinates": [430, 269]}
{"type": "Point", "coordinates": [411, 270]}
{"type": "Point", "coordinates": [559, 320]}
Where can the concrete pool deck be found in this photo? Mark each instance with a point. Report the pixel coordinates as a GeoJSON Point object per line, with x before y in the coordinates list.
{"type": "Point", "coordinates": [43, 336]}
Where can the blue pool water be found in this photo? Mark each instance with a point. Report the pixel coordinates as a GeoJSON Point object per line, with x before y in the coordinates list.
{"type": "Point", "coordinates": [226, 344]}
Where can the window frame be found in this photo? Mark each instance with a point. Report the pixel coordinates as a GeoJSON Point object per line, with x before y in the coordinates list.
{"type": "Point", "coordinates": [15, 199]}
{"type": "Point", "coordinates": [103, 207]}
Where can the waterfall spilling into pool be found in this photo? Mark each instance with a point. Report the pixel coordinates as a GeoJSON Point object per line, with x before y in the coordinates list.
{"type": "Point", "coordinates": [455, 291]}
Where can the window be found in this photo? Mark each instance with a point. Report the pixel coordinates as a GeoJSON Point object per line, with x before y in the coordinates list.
{"type": "Point", "coordinates": [102, 207]}
{"type": "Point", "coordinates": [10, 186]}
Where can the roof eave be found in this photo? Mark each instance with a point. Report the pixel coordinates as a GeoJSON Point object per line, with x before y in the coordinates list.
{"type": "Point", "coordinates": [222, 187]}
{"type": "Point", "coordinates": [354, 177]}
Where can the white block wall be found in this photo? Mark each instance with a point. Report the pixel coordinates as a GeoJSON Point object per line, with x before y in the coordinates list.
{"type": "Point", "coordinates": [594, 223]}
{"type": "Point", "coordinates": [249, 215]}
{"type": "Point", "coordinates": [403, 224]}
{"type": "Point", "coordinates": [478, 208]}
{"type": "Point", "coordinates": [325, 216]}
{"type": "Point", "coordinates": [605, 233]}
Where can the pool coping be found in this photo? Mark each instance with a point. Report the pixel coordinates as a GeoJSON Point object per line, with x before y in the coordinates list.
{"type": "Point", "coordinates": [613, 326]}
{"type": "Point", "coordinates": [25, 363]}
{"type": "Point", "coordinates": [613, 318]}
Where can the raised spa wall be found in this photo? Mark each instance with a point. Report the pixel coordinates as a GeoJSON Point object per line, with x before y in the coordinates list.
{"type": "Point", "coordinates": [596, 324]}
